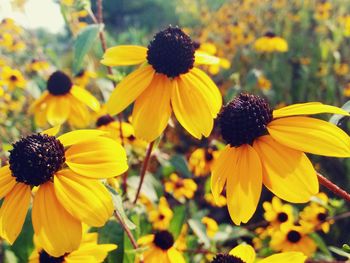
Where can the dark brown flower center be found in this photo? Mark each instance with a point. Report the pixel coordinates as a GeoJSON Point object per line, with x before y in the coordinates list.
{"type": "Point", "coordinates": [13, 78]}
{"type": "Point", "coordinates": [36, 158]}
{"type": "Point", "coordinates": [282, 217]}
{"type": "Point", "coordinates": [171, 52]}
{"type": "Point", "coordinates": [44, 257]}
{"type": "Point", "coordinates": [244, 119]}
{"type": "Point", "coordinates": [59, 83]}
{"type": "Point", "coordinates": [164, 240]}
{"type": "Point", "coordinates": [104, 120]}
{"type": "Point", "coordinates": [225, 258]}
{"type": "Point", "coordinates": [270, 34]}
{"type": "Point", "coordinates": [322, 217]}
{"type": "Point", "coordinates": [293, 236]}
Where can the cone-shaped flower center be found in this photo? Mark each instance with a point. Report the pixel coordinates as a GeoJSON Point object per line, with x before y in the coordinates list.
{"type": "Point", "coordinates": [163, 239]}
{"type": "Point", "coordinates": [13, 78]}
{"type": "Point", "coordinates": [293, 236]}
{"type": "Point", "coordinates": [244, 119]}
{"type": "Point", "coordinates": [171, 52]}
{"type": "Point", "coordinates": [35, 158]}
{"type": "Point", "coordinates": [282, 217]}
{"type": "Point", "coordinates": [59, 83]}
{"type": "Point", "coordinates": [225, 258]}
{"type": "Point", "coordinates": [269, 34]}
{"type": "Point", "coordinates": [104, 120]}
{"type": "Point", "coordinates": [46, 258]}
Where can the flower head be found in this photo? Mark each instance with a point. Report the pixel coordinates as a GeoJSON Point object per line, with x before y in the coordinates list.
{"type": "Point", "coordinates": [267, 147]}
{"type": "Point", "coordinates": [180, 188]}
{"type": "Point", "coordinates": [271, 43]}
{"type": "Point", "coordinates": [161, 216]}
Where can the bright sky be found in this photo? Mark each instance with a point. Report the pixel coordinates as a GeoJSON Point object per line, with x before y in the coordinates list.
{"type": "Point", "coordinates": [37, 14]}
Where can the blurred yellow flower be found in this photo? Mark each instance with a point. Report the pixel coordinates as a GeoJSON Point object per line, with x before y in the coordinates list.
{"type": "Point", "coordinates": [12, 78]}
{"type": "Point", "coordinates": [277, 213]}
{"type": "Point", "coordinates": [210, 225]}
{"type": "Point", "coordinates": [270, 43]}
{"type": "Point", "coordinates": [202, 160]}
{"type": "Point", "coordinates": [263, 83]}
{"type": "Point", "coordinates": [38, 65]}
{"type": "Point", "coordinates": [220, 202]}
{"type": "Point", "coordinates": [83, 78]}
{"type": "Point", "coordinates": [180, 188]}
{"type": "Point", "coordinates": [341, 69]}
{"type": "Point", "coordinates": [161, 216]}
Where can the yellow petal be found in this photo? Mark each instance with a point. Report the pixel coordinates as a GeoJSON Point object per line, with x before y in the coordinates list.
{"type": "Point", "coordinates": [288, 173]}
{"type": "Point", "coordinates": [7, 181]}
{"type": "Point", "coordinates": [152, 109]}
{"type": "Point", "coordinates": [287, 257]}
{"type": "Point", "coordinates": [52, 131]}
{"type": "Point", "coordinates": [174, 256]}
{"type": "Point", "coordinates": [39, 101]}
{"type": "Point", "coordinates": [124, 55]}
{"type": "Point", "coordinates": [203, 58]}
{"type": "Point", "coordinates": [310, 135]}
{"type": "Point", "coordinates": [307, 109]}
{"type": "Point", "coordinates": [221, 170]}
{"type": "Point", "coordinates": [85, 97]}
{"type": "Point", "coordinates": [58, 110]}
{"type": "Point", "coordinates": [86, 199]}
{"type": "Point", "coordinates": [79, 136]}
{"type": "Point", "coordinates": [244, 184]}
{"type": "Point", "coordinates": [13, 212]}
{"type": "Point", "coordinates": [80, 116]}
{"type": "Point", "coordinates": [200, 80]}
{"type": "Point", "coordinates": [191, 109]}
{"type": "Point", "coordinates": [244, 252]}
{"type": "Point", "coordinates": [129, 89]}
{"type": "Point", "coordinates": [100, 157]}
{"type": "Point", "coordinates": [58, 232]}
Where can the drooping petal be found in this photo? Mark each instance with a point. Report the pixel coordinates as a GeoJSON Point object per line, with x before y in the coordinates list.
{"type": "Point", "coordinates": [191, 109]}
{"type": "Point", "coordinates": [202, 58]}
{"type": "Point", "coordinates": [86, 199]}
{"type": "Point", "coordinates": [174, 256]}
{"type": "Point", "coordinates": [57, 231]}
{"type": "Point", "coordinates": [201, 81]}
{"type": "Point", "coordinates": [85, 97]}
{"type": "Point", "coordinates": [13, 212]}
{"type": "Point", "coordinates": [307, 109]}
{"type": "Point", "coordinates": [58, 110]}
{"type": "Point", "coordinates": [244, 252]}
{"type": "Point", "coordinates": [124, 55]}
{"type": "Point", "coordinates": [75, 137]}
{"type": "Point", "coordinates": [221, 170]}
{"type": "Point", "coordinates": [80, 116]}
{"type": "Point", "coordinates": [287, 173]}
{"type": "Point", "coordinates": [129, 89]}
{"type": "Point", "coordinates": [244, 184]}
{"type": "Point", "coordinates": [310, 135]}
{"type": "Point", "coordinates": [7, 181]}
{"type": "Point", "coordinates": [98, 158]}
{"type": "Point", "coordinates": [286, 257]}
{"type": "Point", "coordinates": [152, 109]}
{"type": "Point", "coordinates": [42, 99]}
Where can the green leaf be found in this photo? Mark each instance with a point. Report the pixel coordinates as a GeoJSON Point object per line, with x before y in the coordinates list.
{"type": "Point", "coordinates": [346, 248]}
{"type": "Point", "coordinates": [336, 118]}
{"type": "Point", "coordinates": [180, 165]}
{"type": "Point", "coordinates": [178, 220]}
{"type": "Point", "coordinates": [339, 252]}
{"type": "Point", "coordinates": [83, 43]}
{"type": "Point", "coordinates": [199, 230]}
{"type": "Point", "coordinates": [321, 244]}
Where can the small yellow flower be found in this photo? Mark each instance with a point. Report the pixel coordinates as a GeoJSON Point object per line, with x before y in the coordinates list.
{"type": "Point", "coordinates": [346, 90]}
{"type": "Point", "coordinates": [180, 188]}
{"type": "Point", "coordinates": [38, 65]}
{"type": "Point", "coordinates": [263, 83]}
{"type": "Point", "coordinates": [341, 69]}
{"type": "Point", "coordinates": [161, 216]}
{"type": "Point", "coordinates": [220, 202]}
{"type": "Point", "coordinates": [277, 213]}
{"type": "Point", "coordinates": [83, 78]}
{"type": "Point", "coordinates": [210, 225]}
{"type": "Point", "coordinates": [12, 78]}
{"type": "Point", "coordinates": [270, 43]}
{"type": "Point", "coordinates": [202, 160]}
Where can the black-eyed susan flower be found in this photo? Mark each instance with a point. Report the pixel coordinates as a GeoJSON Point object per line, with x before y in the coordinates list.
{"type": "Point", "coordinates": [210, 225]}
{"type": "Point", "coordinates": [245, 254]}
{"type": "Point", "coordinates": [277, 213]}
{"type": "Point", "coordinates": [270, 43]}
{"type": "Point", "coordinates": [267, 147]}
{"type": "Point", "coordinates": [180, 188]}
{"type": "Point", "coordinates": [63, 101]}
{"type": "Point", "coordinates": [202, 160]}
{"type": "Point", "coordinates": [12, 78]}
{"type": "Point", "coordinates": [166, 82]}
{"type": "Point", "coordinates": [38, 65]}
{"type": "Point", "coordinates": [161, 216]}
{"type": "Point", "coordinates": [160, 247]}
{"type": "Point", "coordinates": [64, 172]}
{"type": "Point", "coordinates": [263, 83]}
{"type": "Point", "coordinates": [83, 78]}
{"type": "Point", "coordinates": [341, 69]}
{"type": "Point", "coordinates": [88, 251]}
{"type": "Point", "coordinates": [293, 238]}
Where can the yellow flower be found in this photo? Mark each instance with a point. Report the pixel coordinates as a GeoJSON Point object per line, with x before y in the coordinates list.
{"type": "Point", "coordinates": [271, 43]}
{"type": "Point", "coordinates": [83, 78]}
{"type": "Point", "coordinates": [167, 82]}
{"type": "Point", "coordinates": [202, 160]}
{"type": "Point", "coordinates": [346, 90]}
{"type": "Point", "coordinates": [264, 83]}
{"type": "Point", "coordinates": [88, 251]}
{"type": "Point", "coordinates": [341, 69]}
{"type": "Point", "coordinates": [220, 202]}
{"type": "Point", "coordinates": [12, 78]}
{"type": "Point", "coordinates": [65, 173]}
{"type": "Point", "coordinates": [277, 213]}
{"type": "Point", "coordinates": [160, 248]}
{"type": "Point", "coordinates": [63, 102]}
{"type": "Point", "coordinates": [210, 225]}
{"type": "Point", "coordinates": [292, 238]}
{"type": "Point", "coordinates": [161, 217]}
{"type": "Point", "coordinates": [267, 147]}
{"type": "Point", "coordinates": [6, 40]}
{"type": "Point", "coordinates": [37, 65]}
{"type": "Point", "coordinates": [180, 188]}
{"type": "Point", "coordinates": [245, 254]}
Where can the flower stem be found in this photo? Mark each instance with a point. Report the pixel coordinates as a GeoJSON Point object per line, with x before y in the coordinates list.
{"type": "Point", "coordinates": [126, 229]}
{"type": "Point", "coordinates": [333, 187]}
{"type": "Point", "coordinates": [144, 169]}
